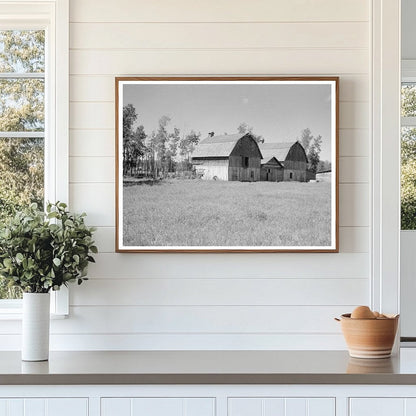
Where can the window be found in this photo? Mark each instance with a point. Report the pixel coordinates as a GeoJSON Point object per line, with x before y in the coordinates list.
{"type": "Point", "coordinates": [408, 155]}
{"type": "Point", "coordinates": [22, 124]}
{"type": "Point", "coordinates": [33, 112]}
{"type": "Point", "coordinates": [245, 162]}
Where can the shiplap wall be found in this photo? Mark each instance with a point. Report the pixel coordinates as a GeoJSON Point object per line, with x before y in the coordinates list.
{"type": "Point", "coordinates": [218, 301]}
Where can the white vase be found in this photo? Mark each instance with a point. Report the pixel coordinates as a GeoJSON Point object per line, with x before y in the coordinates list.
{"type": "Point", "coordinates": [35, 326]}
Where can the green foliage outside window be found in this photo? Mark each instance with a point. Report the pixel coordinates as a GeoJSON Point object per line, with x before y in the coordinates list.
{"type": "Point", "coordinates": [21, 110]}
{"type": "Point", "coordinates": [408, 160]}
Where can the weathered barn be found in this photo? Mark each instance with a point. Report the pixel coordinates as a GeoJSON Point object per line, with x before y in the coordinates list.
{"type": "Point", "coordinates": [271, 170]}
{"type": "Point", "coordinates": [232, 157]}
{"type": "Point", "coordinates": [291, 155]}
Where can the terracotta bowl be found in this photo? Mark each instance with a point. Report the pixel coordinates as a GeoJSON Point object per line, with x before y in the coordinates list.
{"type": "Point", "coordinates": [369, 338]}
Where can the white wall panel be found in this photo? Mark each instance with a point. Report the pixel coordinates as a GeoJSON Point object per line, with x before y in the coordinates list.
{"type": "Point", "coordinates": [354, 239]}
{"type": "Point", "coordinates": [191, 341]}
{"type": "Point", "coordinates": [218, 11]}
{"type": "Point", "coordinates": [210, 320]}
{"type": "Point", "coordinates": [222, 300]}
{"type": "Point", "coordinates": [92, 169]}
{"type": "Point", "coordinates": [282, 61]}
{"type": "Point", "coordinates": [95, 143]}
{"type": "Point", "coordinates": [354, 205]}
{"type": "Point", "coordinates": [354, 170]}
{"type": "Point", "coordinates": [354, 142]}
{"type": "Point", "coordinates": [96, 199]}
{"type": "Point", "coordinates": [221, 292]}
{"type": "Point", "coordinates": [199, 266]}
{"type": "Point", "coordinates": [222, 35]}
{"type": "Point", "coordinates": [101, 87]}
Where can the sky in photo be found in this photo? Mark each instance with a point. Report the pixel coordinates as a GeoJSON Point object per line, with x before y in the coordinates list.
{"type": "Point", "coordinates": [278, 112]}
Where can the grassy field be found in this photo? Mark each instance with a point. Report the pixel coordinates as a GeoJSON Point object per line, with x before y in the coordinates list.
{"type": "Point", "coordinates": [218, 213]}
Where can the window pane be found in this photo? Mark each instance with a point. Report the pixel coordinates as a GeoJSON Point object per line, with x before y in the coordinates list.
{"type": "Point", "coordinates": [22, 104]}
{"type": "Point", "coordinates": [21, 182]}
{"type": "Point", "coordinates": [22, 51]}
{"type": "Point", "coordinates": [21, 109]}
{"type": "Point", "coordinates": [408, 178]}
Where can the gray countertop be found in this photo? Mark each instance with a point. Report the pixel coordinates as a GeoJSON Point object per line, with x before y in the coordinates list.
{"type": "Point", "coordinates": [207, 367]}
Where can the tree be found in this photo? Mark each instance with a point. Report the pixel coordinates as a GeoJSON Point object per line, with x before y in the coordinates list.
{"type": "Point", "coordinates": [408, 160]}
{"type": "Point", "coordinates": [313, 154]}
{"type": "Point", "coordinates": [408, 179]}
{"type": "Point", "coordinates": [408, 195]}
{"type": "Point", "coordinates": [161, 140]}
{"type": "Point", "coordinates": [312, 146]}
{"type": "Point", "coordinates": [188, 143]}
{"type": "Point", "coordinates": [306, 139]}
{"type": "Point", "coordinates": [129, 118]}
{"type": "Point", "coordinates": [21, 109]}
{"type": "Point", "coordinates": [324, 165]}
{"type": "Point", "coordinates": [172, 147]}
{"type": "Point", "coordinates": [245, 128]}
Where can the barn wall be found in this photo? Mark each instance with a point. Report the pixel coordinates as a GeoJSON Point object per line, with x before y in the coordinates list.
{"type": "Point", "coordinates": [213, 169]}
{"type": "Point", "coordinates": [219, 301]}
{"type": "Point", "coordinates": [275, 175]}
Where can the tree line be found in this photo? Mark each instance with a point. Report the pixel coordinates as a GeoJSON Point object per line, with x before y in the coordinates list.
{"type": "Point", "coordinates": [159, 153]}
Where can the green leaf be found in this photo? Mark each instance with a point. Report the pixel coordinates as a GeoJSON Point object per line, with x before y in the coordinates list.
{"type": "Point", "coordinates": [57, 262]}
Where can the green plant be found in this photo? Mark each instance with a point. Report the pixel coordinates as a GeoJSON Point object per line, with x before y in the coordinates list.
{"type": "Point", "coordinates": [43, 251]}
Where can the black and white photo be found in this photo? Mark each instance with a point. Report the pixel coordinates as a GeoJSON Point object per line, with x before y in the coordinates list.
{"type": "Point", "coordinates": [227, 164]}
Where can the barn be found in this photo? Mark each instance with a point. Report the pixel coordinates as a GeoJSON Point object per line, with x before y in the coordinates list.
{"type": "Point", "coordinates": [271, 170]}
{"type": "Point", "coordinates": [290, 155]}
{"type": "Point", "coordinates": [229, 157]}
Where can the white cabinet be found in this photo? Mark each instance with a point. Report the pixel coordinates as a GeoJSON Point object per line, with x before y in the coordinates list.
{"type": "Point", "coordinates": [382, 406]}
{"type": "Point", "coordinates": [44, 407]}
{"type": "Point", "coordinates": [146, 406]}
{"type": "Point", "coordinates": [281, 406]}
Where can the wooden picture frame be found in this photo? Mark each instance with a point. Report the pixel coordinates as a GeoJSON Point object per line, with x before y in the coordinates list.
{"type": "Point", "coordinates": [267, 184]}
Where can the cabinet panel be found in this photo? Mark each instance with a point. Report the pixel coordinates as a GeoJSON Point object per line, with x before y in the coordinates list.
{"type": "Point", "coordinates": [119, 407]}
{"type": "Point", "coordinates": [296, 407]}
{"type": "Point", "coordinates": [377, 407]}
{"type": "Point", "coordinates": [44, 407]}
{"type": "Point", "coordinates": [67, 407]}
{"type": "Point", "coordinates": [157, 406]}
{"type": "Point", "coordinates": [245, 407]}
{"type": "Point", "coordinates": [281, 406]}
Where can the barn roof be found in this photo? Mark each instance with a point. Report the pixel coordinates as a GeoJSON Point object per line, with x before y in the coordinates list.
{"type": "Point", "coordinates": [272, 161]}
{"type": "Point", "coordinates": [277, 150]}
{"type": "Point", "coordinates": [217, 146]}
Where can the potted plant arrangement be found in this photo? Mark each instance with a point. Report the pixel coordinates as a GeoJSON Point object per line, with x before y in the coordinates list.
{"type": "Point", "coordinates": [40, 252]}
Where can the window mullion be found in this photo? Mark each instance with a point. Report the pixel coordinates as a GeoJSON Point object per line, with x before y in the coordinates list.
{"type": "Point", "coordinates": [22, 134]}
{"type": "Point", "coordinates": [22, 75]}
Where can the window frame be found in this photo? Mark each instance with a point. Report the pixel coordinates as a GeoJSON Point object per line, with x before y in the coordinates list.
{"type": "Point", "coordinates": [53, 17]}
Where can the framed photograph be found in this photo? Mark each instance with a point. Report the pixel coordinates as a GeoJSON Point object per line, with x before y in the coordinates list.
{"type": "Point", "coordinates": [227, 164]}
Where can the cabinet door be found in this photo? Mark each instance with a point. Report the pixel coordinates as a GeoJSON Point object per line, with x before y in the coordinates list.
{"type": "Point", "coordinates": [382, 407]}
{"type": "Point", "coordinates": [44, 407]}
{"type": "Point", "coordinates": [269, 406]}
{"type": "Point", "coordinates": [160, 406]}
{"type": "Point", "coordinates": [377, 407]}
